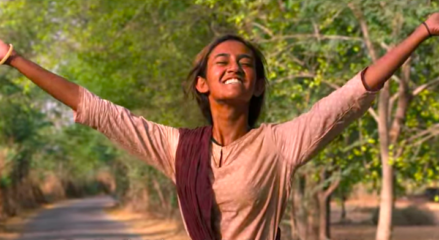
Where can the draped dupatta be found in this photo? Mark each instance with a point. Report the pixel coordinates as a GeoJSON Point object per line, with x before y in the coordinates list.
{"type": "Point", "coordinates": [194, 186]}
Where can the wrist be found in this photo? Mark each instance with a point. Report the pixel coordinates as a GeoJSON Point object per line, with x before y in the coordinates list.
{"type": "Point", "coordinates": [422, 32]}
{"type": "Point", "coordinates": [10, 61]}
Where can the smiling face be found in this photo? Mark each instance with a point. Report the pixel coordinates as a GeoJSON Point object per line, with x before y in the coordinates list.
{"type": "Point", "coordinates": [230, 74]}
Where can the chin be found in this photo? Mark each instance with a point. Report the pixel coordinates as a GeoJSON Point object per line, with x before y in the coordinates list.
{"type": "Point", "coordinates": [234, 99]}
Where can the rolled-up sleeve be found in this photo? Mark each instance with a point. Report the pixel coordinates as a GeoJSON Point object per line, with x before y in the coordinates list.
{"type": "Point", "coordinates": [301, 138]}
{"type": "Point", "coordinates": [154, 143]}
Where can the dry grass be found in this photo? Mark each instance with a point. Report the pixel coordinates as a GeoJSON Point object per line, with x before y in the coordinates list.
{"type": "Point", "coordinates": [358, 232]}
{"type": "Point", "coordinates": [408, 212]}
{"type": "Point", "coordinates": [148, 224]}
{"type": "Point", "coordinates": [11, 228]}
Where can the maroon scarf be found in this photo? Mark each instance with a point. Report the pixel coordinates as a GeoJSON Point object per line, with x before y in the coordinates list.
{"type": "Point", "coordinates": [193, 184]}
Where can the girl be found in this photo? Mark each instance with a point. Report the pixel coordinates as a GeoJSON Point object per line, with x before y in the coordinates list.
{"type": "Point", "coordinates": [233, 179]}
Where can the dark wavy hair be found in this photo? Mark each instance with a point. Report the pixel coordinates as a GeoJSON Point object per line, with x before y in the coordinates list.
{"type": "Point", "coordinates": [199, 70]}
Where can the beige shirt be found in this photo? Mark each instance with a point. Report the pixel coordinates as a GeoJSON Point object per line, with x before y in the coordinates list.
{"type": "Point", "coordinates": [253, 183]}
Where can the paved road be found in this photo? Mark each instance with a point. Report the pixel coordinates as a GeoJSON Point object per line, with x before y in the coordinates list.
{"type": "Point", "coordinates": [82, 219]}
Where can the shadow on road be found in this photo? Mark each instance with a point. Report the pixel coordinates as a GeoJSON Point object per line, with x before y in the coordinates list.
{"type": "Point", "coordinates": [82, 219]}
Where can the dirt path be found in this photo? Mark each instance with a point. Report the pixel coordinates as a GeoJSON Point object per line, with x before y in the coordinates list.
{"type": "Point", "coordinates": [82, 219]}
{"type": "Point", "coordinates": [96, 219]}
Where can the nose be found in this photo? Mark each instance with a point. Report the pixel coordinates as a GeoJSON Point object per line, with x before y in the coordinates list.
{"type": "Point", "coordinates": [234, 67]}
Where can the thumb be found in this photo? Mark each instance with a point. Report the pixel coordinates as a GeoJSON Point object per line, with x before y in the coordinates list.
{"type": "Point", "coordinates": [4, 49]}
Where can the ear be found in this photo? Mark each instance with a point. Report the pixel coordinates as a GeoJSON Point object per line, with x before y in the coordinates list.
{"type": "Point", "coordinates": [259, 88]}
{"type": "Point", "coordinates": [201, 85]}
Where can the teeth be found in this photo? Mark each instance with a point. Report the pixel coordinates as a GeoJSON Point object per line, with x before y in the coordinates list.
{"type": "Point", "coordinates": [233, 80]}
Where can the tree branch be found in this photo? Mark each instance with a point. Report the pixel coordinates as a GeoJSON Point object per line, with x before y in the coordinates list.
{"type": "Point", "coordinates": [400, 149]}
{"type": "Point", "coordinates": [432, 134]}
{"type": "Point", "coordinates": [364, 29]}
{"type": "Point", "coordinates": [374, 114]}
{"type": "Point", "coordinates": [316, 30]}
{"type": "Point", "coordinates": [395, 96]}
{"type": "Point", "coordinates": [281, 5]}
{"type": "Point", "coordinates": [405, 97]}
{"type": "Point", "coordinates": [431, 129]}
{"type": "Point", "coordinates": [263, 28]}
{"type": "Point", "coordinates": [291, 77]}
{"type": "Point", "coordinates": [332, 187]}
{"type": "Point", "coordinates": [393, 100]}
{"type": "Point", "coordinates": [311, 35]}
{"type": "Point", "coordinates": [385, 46]}
{"type": "Point", "coordinates": [425, 86]}
{"type": "Point", "coordinates": [330, 84]}
{"type": "Point", "coordinates": [128, 23]}
{"type": "Point", "coordinates": [292, 57]}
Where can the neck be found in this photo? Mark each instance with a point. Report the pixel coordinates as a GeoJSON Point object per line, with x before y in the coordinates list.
{"type": "Point", "coordinates": [229, 123]}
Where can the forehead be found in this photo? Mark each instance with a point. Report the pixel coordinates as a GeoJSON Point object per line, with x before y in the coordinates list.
{"type": "Point", "coordinates": [231, 47]}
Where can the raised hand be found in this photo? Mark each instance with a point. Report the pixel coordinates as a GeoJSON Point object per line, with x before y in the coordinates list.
{"type": "Point", "coordinates": [61, 89]}
{"type": "Point", "coordinates": [381, 70]}
{"type": "Point", "coordinates": [4, 48]}
{"type": "Point", "coordinates": [433, 24]}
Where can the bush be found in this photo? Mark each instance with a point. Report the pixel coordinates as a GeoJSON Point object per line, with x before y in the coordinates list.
{"type": "Point", "coordinates": [409, 216]}
{"type": "Point", "coordinates": [432, 194]}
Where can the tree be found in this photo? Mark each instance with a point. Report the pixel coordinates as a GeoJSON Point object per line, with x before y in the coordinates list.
{"type": "Point", "coordinates": [20, 127]}
{"type": "Point", "coordinates": [137, 54]}
{"type": "Point", "coordinates": [314, 42]}
{"type": "Point", "coordinates": [134, 54]}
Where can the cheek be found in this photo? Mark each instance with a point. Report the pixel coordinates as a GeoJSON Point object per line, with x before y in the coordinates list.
{"type": "Point", "coordinates": [214, 74]}
{"type": "Point", "coordinates": [251, 76]}
{"type": "Point", "coordinates": [217, 71]}
{"type": "Point", "coordinates": [250, 71]}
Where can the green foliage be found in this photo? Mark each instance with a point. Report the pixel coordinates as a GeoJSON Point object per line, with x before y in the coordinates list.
{"type": "Point", "coordinates": [137, 54]}
{"type": "Point", "coordinates": [312, 46]}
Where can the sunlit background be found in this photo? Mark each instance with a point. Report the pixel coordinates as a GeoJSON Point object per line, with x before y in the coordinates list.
{"type": "Point", "coordinates": [138, 54]}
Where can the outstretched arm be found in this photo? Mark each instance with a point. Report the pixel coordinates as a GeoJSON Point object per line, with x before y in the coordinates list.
{"type": "Point", "coordinates": [60, 88]}
{"type": "Point", "coordinates": [379, 72]}
{"type": "Point", "coordinates": [301, 138]}
{"type": "Point", "coordinates": [151, 142]}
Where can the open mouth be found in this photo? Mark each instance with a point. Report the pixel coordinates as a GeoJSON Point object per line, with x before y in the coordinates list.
{"type": "Point", "coordinates": [233, 81]}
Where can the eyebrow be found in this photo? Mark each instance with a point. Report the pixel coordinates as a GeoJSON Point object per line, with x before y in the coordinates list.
{"type": "Point", "coordinates": [222, 55]}
{"type": "Point", "coordinates": [241, 56]}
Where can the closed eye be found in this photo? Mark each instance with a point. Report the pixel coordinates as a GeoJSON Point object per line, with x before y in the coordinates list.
{"type": "Point", "coordinates": [247, 64]}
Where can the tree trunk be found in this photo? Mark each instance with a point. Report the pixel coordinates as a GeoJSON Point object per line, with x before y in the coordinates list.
{"type": "Point", "coordinates": [165, 203]}
{"type": "Point", "coordinates": [312, 209]}
{"type": "Point", "coordinates": [343, 213]}
{"type": "Point", "coordinates": [384, 229]}
{"type": "Point", "coordinates": [328, 216]}
{"type": "Point", "coordinates": [312, 221]}
{"type": "Point", "coordinates": [298, 212]}
{"type": "Point", "coordinates": [324, 204]}
{"type": "Point", "coordinates": [324, 217]}
{"type": "Point", "coordinates": [293, 227]}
